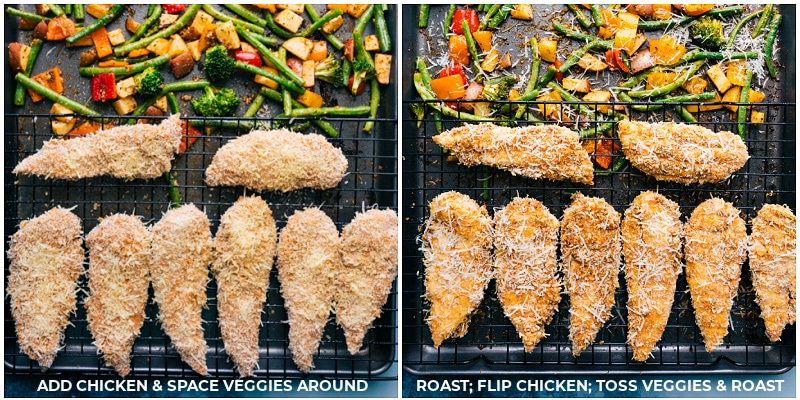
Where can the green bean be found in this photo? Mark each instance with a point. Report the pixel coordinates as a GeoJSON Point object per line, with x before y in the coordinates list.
{"type": "Point", "coordinates": [146, 24]}
{"type": "Point", "coordinates": [582, 19]}
{"type": "Point", "coordinates": [255, 105]}
{"type": "Point", "coordinates": [382, 30]}
{"type": "Point", "coordinates": [501, 16]}
{"type": "Point", "coordinates": [473, 49]}
{"type": "Point", "coordinates": [426, 79]}
{"type": "Point", "coordinates": [602, 44]}
{"type": "Point", "coordinates": [179, 24]}
{"type": "Point", "coordinates": [280, 66]}
{"type": "Point", "coordinates": [597, 129]}
{"type": "Point", "coordinates": [19, 94]}
{"type": "Point", "coordinates": [299, 126]}
{"type": "Point", "coordinates": [739, 25]}
{"type": "Point", "coordinates": [568, 97]}
{"type": "Point", "coordinates": [180, 86]}
{"type": "Point", "coordinates": [614, 168]}
{"type": "Point", "coordinates": [299, 89]}
{"type": "Point", "coordinates": [246, 14]}
{"type": "Point", "coordinates": [485, 181]}
{"type": "Point", "coordinates": [78, 12]}
{"type": "Point", "coordinates": [672, 86]}
{"type": "Point", "coordinates": [332, 39]}
{"type": "Point", "coordinates": [287, 101]}
{"type": "Point", "coordinates": [742, 108]}
{"type": "Point", "coordinates": [531, 86]}
{"type": "Point", "coordinates": [424, 13]}
{"type": "Point", "coordinates": [277, 30]}
{"type": "Point", "coordinates": [318, 23]}
{"type": "Point", "coordinates": [358, 30]}
{"type": "Point", "coordinates": [573, 59]}
{"type": "Point", "coordinates": [448, 19]}
{"type": "Point", "coordinates": [174, 105]}
{"type": "Point", "coordinates": [112, 13]}
{"type": "Point", "coordinates": [126, 70]}
{"type": "Point", "coordinates": [53, 95]}
{"type": "Point", "coordinates": [208, 8]}
{"type": "Point", "coordinates": [324, 125]}
{"type": "Point", "coordinates": [27, 15]}
{"type": "Point", "coordinates": [493, 9]}
{"type": "Point", "coordinates": [694, 55]}
{"type": "Point", "coordinates": [56, 9]}
{"type": "Point", "coordinates": [173, 192]}
{"type": "Point", "coordinates": [374, 102]}
{"type": "Point", "coordinates": [657, 25]}
{"type": "Point", "coordinates": [347, 67]}
{"type": "Point", "coordinates": [427, 94]}
{"type": "Point", "coordinates": [330, 112]}
{"type": "Point", "coordinates": [685, 114]}
{"type": "Point", "coordinates": [770, 42]}
{"type": "Point", "coordinates": [674, 99]}
{"type": "Point", "coordinates": [762, 22]}
{"type": "Point", "coordinates": [597, 15]}
{"type": "Point", "coordinates": [67, 9]}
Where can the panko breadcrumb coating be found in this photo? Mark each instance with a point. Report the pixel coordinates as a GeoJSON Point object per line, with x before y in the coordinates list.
{"type": "Point", "coordinates": [682, 153]}
{"type": "Point", "coordinates": [244, 251]}
{"type": "Point", "coordinates": [309, 263]}
{"type": "Point", "coordinates": [525, 266]}
{"type": "Point", "coordinates": [181, 251]}
{"type": "Point", "coordinates": [548, 151]}
{"type": "Point", "coordinates": [714, 250]}
{"type": "Point", "coordinates": [119, 275]}
{"type": "Point", "coordinates": [46, 260]}
{"type": "Point", "coordinates": [140, 151]}
{"type": "Point", "coordinates": [772, 249]}
{"type": "Point", "coordinates": [457, 250]}
{"type": "Point", "coordinates": [651, 245]}
{"type": "Point", "coordinates": [591, 251]}
{"type": "Point", "coordinates": [369, 258]}
{"type": "Point", "coordinates": [277, 160]}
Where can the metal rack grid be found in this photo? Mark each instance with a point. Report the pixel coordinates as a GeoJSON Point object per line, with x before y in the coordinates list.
{"type": "Point", "coordinates": [371, 181]}
{"type": "Point", "coordinates": [492, 344]}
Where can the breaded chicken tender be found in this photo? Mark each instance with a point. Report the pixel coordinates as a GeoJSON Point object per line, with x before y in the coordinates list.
{"type": "Point", "coordinates": [682, 153]}
{"type": "Point", "coordinates": [525, 265]}
{"type": "Point", "coordinates": [309, 262]}
{"type": "Point", "coordinates": [119, 275]}
{"type": "Point", "coordinates": [181, 251]}
{"type": "Point", "coordinates": [591, 252]}
{"type": "Point", "coordinates": [278, 160]}
{"type": "Point", "coordinates": [715, 249]}
{"type": "Point", "coordinates": [46, 261]}
{"type": "Point", "coordinates": [457, 250]}
{"type": "Point", "coordinates": [369, 258]}
{"type": "Point", "coordinates": [772, 249]}
{"type": "Point", "coordinates": [548, 151]}
{"type": "Point", "coordinates": [244, 251]}
{"type": "Point", "coordinates": [127, 151]}
{"type": "Point", "coordinates": [651, 244]}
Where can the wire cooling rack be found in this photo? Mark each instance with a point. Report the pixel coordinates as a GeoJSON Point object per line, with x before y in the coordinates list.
{"type": "Point", "coordinates": [371, 181]}
{"type": "Point", "coordinates": [492, 343]}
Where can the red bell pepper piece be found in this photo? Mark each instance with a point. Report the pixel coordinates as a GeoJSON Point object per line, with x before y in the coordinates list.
{"type": "Point", "coordinates": [173, 8]}
{"type": "Point", "coordinates": [454, 69]}
{"type": "Point", "coordinates": [191, 135]}
{"type": "Point", "coordinates": [361, 86]}
{"type": "Point", "coordinates": [614, 60]}
{"type": "Point", "coordinates": [248, 57]}
{"type": "Point", "coordinates": [103, 87]}
{"type": "Point", "coordinates": [464, 14]}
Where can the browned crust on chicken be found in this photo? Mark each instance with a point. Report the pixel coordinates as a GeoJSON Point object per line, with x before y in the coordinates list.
{"type": "Point", "coordinates": [772, 250]}
{"type": "Point", "coordinates": [715, 248]}
{"type": "Point", "coordinates": [457, 250]}
{"type": "Point", "coordinates": [369, 257]}
{"type": "Point", "coordinates": [309, 262]}
{"type": "Point", "coordinates": [525, 266]}
{"type": "Point", "coordinates": [682, 153]}
{"type": "Point", "coordinates": [244, 251]}
{"type": "Point", "coordinates": [46, 260]}
{"type": "Point", "coordinates": [651, 244]}
{"type": "Point", "coordinates": [591, 252]}
{"type": "Point", "coordinates": [128, 151]}
{"type": "Point", "coordinates": [181, 252]}
{"type": "Point", "coordinates": [548, 151]}
{"type": "Point", "coordinates": [119, 262]}
{"type": "Point", "coordinates": [277, 160]}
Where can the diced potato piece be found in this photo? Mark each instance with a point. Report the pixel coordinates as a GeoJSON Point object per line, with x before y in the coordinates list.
{"type": "Point", "coordinates": [57, 109]}
{"type": "Point", "coordinates": [83, 42]}
{"type": "Point", "coordinates": [482, 109]}
{"type": "Point", "coordinates": [166, 20]}
{"type": "Point", "coordinates": [491, 60]}
{"type": "Point", "coordinates": [695, 85]}
{"type": "Point", "coordinates": [289, 21]}
{"type": "Point", "coordinates": [577, 85]}
{"type": "Point", "coordinates": [208, 38]}
{"type": "Point", "coordinates": [131, 25]}
{"type": "Point", "coordinates": [296, 8]}
{"type": "Point", "coordinates": [126, 87]}
{"type": "Point", "coordinates": [18, 55]}
{"type": "Point", "coordinates": [227, 36]}
{"type": "Point", "coordinates": [309, 67]}
{"type": "Point", "coordinates": [320, 51]}
{"type": "Point", "coordinates": [262, 80]}
{"type": "Point", "coordinates": [598, 96]}
{"type": "Point", "coordinates": [125, 106]}
{"type": "Point", "coordinates": [194, 49]}
{"type": "Point", "coordinates": [177, 46]}
{"type": "Point", "coordinates": [483, 39]}
{"type": "Point", "coordinates": [116, 37]}
{"type": "Point", "coordinates": [161, 103]}
{"type": "Point", "coordinates": [625, 39]}
{"type": "Point", "coordinates": [98, 10]}
{"type": "Point", "coordinates": [732, 95]}
{"type": "Point", "coordinates": [198, 25]}
{"type": "Point", "coordinates": [591, 63]}
{"type": "Point", "coordinates": [42, 9]}
{"type": "Point", "coordinates": [333, 25]}
{"type": "Point", "coordinates": [628, 20]}
{"type": "Point", "coordinates": [299, 46]}
{"type": "Point", "coordinates": [383, 67]}
{"type": "Point", "coordinates": [310, 99]}
{"type": "Point", "coordinates": [371, 43]}
{"type": "Point", "coordinates": [737, 72]}
{"type": "Point", "coordinates": [355, 10]}
{"type": "Point", "coordinates": [718, 77]}
{"type": "Point", "coordinates": [638, 41]}
{"type": "Point", "coordinates": [552, 111]}
{"type": "Point", "coordinates": [547, 49]}
{"type": "Point", "coordinates": [248, 48]}
{"type": "Point", "coordinates": [61, 128]}
{"type": "Point", "coordinates": [159, 46]}
{"type": "Point", "coordinates": [757, 117]}
{"type": "Point", "coordinates": [522, 11]}
{"type": "Point", "coordinates": [703, 107]}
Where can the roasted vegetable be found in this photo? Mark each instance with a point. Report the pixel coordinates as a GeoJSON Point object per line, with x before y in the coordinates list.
{"type": "Point", "coordinates": [362, 72]}
{"type": "Point", "coordinates": [707, 32]}
{"type": "Point", "coordinates": [218, 66]}
{"type": "Point", "coordinates": [329, 70]}
{"type": "Point", "coordinates": [149, 82]}
{"type": "Point", "coordinates": [220, 103]}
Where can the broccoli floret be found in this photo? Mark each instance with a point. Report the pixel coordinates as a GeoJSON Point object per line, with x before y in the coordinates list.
{"type": "Point", "coordinates": [496, 91]}
{"type": "Point", "coordinates": [707, 32]}
{"type": "Point", "coordinates": [219, 66]}
{"type": "Point", "coordinates": [222, 103]}
{"type": "Point", "coordinates": [329, 70]}
{"type": "Point", "coordinates": [149, 82]}
{"type": "Point", "coordinates": [362, 71]}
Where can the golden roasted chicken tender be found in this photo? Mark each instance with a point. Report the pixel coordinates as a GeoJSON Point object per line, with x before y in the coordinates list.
{"type": "Point", "coordinates": [127, 151]}
{"type": "Point", "coordinates": [309, 262]}
{"type": "Point", "coordinates": [548, 151]}
{"type": "Point", "coordinates": [369, 257]}
{"type": "Point", "coordinates": [181, 251]}
{"type": "Point", "coordinates": [46, 261]}
{"type": "Point", "coordinates": [715, 249]}
{"type": "Point", "coordinates": [279, 160]}
{"type": "Point", "coordinates": [525, 266]}
{"type": "Point", "coordinates": [682, 153]}
{"type": "Point", "coordinates": [651, 244]}
{"type": "Point", "coordinates": [244, 251]}
{"type": "Point", "coordinates": [591, 252]}
{"type": "Point", "coordinates": [773, 257]}
{"type": "Point", "coordinates": [119, 275]}
{"type": "Point", "coordinates": [457, 250]}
